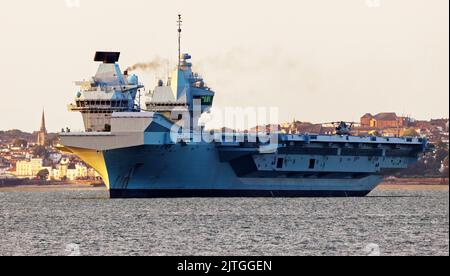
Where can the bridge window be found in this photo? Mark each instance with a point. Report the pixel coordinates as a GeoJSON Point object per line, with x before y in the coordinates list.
{"type": "Point", "coordinates": [205, 100]}
{"type": "Point", "coordinates": [107, 128]}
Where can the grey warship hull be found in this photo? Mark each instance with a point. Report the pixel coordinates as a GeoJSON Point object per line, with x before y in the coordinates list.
{"type": "Point", "coordinates": [157, 154]}
{"type": "Point", "coordinates": [153, 171]}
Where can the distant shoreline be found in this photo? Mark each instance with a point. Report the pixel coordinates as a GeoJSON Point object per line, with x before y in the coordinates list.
{"type": "Point", "coordinates": [414, 187]}
{"type": "Point", "coordinates": [416, 181]}
{"type": "Point", "coordinates": [44, 188]}
{"type": "Point", "coordinates": [36, 184]}
{"type": "Point", "coordinates": [401, 184]}
{"type": "Point", "coordinates": [394, 184]}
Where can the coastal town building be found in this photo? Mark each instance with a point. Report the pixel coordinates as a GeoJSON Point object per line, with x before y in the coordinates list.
{"type": "Point", "coordinates": [65, 170]}
{"type": "Point", "coordinates": [29, 168]}
{"type": "Point", "coordinates": [383, 120]}
{"type": "Point", "coordinates": [69, 171]}
{"type": "Point", "coordinates": [24, 155]}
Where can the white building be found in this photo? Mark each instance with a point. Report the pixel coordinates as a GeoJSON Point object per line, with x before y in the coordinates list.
{"type": "Point", "coordinates": [55, 157]}
{"type": "Point", "coordinates": [71, 172]}
{"type": "Point", "coordinates": [64, 170]}
{"type": "Point", "coordinates": [29, 168]}
{"type": "Point", "coordinates": [78, 172]}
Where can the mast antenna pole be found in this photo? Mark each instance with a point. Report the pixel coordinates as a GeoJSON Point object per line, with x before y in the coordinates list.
{"type": "Point", "coordinates": [179, 40]}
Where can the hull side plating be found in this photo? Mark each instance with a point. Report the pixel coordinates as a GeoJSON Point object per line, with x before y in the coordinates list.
{"type": "Point", "coordinates": [197, 171]}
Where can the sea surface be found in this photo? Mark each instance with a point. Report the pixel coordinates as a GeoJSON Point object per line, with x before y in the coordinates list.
{"type": "Point", "coordinates": [86, 222]}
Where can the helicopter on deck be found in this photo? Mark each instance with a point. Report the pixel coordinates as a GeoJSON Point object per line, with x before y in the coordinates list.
{"type": "Point", "coordinates": [342, 128]}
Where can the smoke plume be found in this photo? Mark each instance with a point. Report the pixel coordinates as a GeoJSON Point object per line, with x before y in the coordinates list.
{"type": "Point", "coordinates": [153, 65]}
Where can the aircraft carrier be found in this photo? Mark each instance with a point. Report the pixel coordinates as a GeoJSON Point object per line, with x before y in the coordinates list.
{"type": "Point", "coordinates": [156, 152]}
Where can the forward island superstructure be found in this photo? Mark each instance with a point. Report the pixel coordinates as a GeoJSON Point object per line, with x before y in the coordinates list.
{"type": "Point", "coordinates": [154, 153]}
{"type": "Point", "coordinates": [107, 92]}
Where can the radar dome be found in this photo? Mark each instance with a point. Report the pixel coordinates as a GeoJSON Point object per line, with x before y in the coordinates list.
{"type": "Point", "coordinates": [186, 56]}
{"type": "Point", "coordinates": [133, 80]}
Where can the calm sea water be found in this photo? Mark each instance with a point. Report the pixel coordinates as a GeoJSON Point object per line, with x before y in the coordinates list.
{"type": "Point", "coordinates": [88, 223]}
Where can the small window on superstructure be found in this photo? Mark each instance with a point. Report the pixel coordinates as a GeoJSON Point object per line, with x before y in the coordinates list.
{"type": "Point", "coordinates": [312, 163]}
{"type": "Point", "coordinates": [280, 163]}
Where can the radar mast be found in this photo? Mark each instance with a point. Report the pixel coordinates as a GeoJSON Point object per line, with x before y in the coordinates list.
{"type": "Point", "coordinates": [179, 40]}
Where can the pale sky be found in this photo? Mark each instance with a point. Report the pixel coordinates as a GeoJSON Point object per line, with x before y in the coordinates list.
{"type": "Point", "coordinates": [317, 60]}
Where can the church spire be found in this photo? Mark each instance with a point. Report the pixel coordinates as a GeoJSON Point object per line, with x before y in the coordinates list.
{"type": "Point", "coordinates": [42, 135]}
{"type": "Point", "coordinates": [43, 129]}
